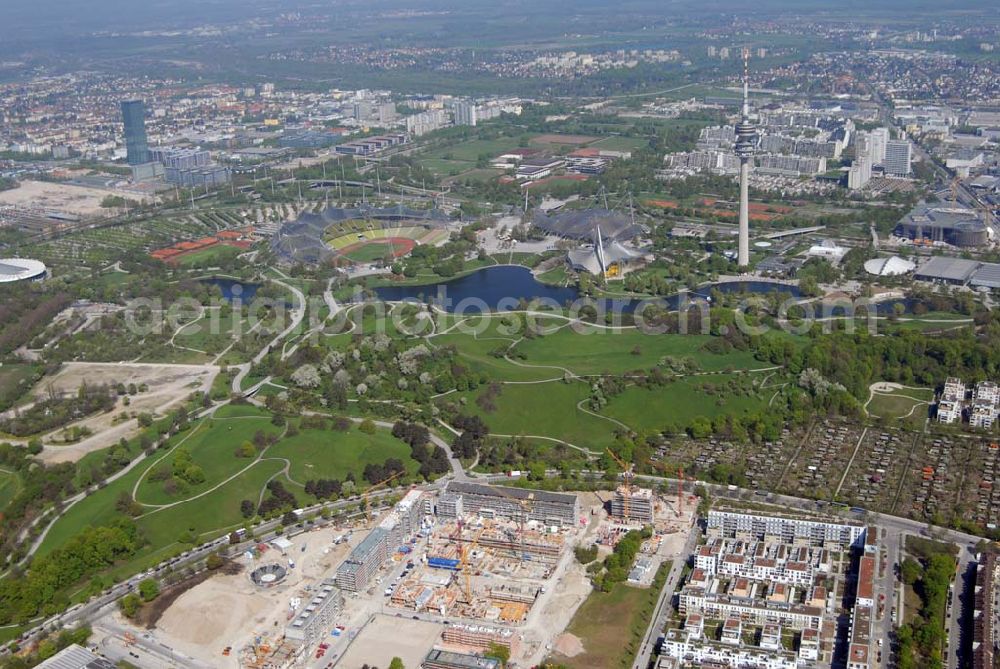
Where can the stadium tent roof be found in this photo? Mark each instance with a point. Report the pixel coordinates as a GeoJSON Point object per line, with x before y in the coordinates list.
{"type": "Point", "coordinates": [302, 240]}
{"type": "Point", "coordinates": [587, 258]}
{"type": "Point", "coordinates": [891, 266]}
{"type": "Point", "coordinates": [583, 223]}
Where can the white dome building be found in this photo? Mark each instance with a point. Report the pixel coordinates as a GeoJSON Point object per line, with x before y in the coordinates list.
{"type": "Point", "coordinates": [21, 269]}
{"type": "Point", "coordinates": [891, 266]}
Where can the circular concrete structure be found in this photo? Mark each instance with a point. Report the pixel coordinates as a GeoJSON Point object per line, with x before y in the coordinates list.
{"type": "Point", "coordinates": [267, 575]}
{"type": "Point", "coordinates": [21, 269]}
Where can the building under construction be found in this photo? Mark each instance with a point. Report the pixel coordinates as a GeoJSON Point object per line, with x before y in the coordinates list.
{"type": "Point", "coordinates": [356, 572]}
{"type": "Point", "coordinates": [632, 506]}
{"type": "Point", "coordinates": [445, 593]}
{"type": "Point", "coordinates": [551, 508]}
{"type": "Point", "coordinates": [263, 653]}
{"type": "Point", "coordinates": [954, 225]}
{"type": "Point", "coordinates": [364, 561]}
{"type": "Point", "coordinates": [488, 569]}
{"type": "Point", "coordinates": [530, 541]}
{"type": "Point", "coordinates": [318, 615]}
{"type": "Point", "coordinates": [479, 637]}
{"type": "Point", "coordinates": [444, 659]}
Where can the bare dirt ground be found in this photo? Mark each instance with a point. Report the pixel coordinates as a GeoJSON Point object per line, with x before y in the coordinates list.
{"type": "Point", "coordinates": [229, 610]}
{"type": "Point", "coordinates": [151, 613]}
{"type": "Point", "coordinates": [554, 610]}
{"type": "Point", "coordinates": [568, 644]}
{"type": "Point", "coordinates": [204, 620]}
{"type": "Point", "coordinates": [79, 200]}
{"type": "Point", "coordinates": [388, 637]}
{"type": "Point", "coordinates": [168, 385]}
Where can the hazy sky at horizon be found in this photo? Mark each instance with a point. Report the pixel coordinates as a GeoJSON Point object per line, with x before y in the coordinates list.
{"type": "Point", "coordinates": [24, 20]}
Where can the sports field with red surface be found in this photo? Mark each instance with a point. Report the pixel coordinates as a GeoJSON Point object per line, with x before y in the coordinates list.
{"type": "Point", "coordinates": [172, 254]}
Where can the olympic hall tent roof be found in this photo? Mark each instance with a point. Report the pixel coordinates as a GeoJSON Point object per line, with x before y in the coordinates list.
{"type": "Point", "coordinates": [891, 266]}
{"type": "Point", "coordinates": [583, 223]}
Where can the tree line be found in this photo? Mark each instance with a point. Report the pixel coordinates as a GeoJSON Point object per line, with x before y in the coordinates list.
{"type": "Point", "coordinates": [43, 589]}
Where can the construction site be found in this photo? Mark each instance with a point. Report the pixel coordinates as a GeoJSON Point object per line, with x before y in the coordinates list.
{"type": "Point", "coordinates": [445, 574]}
{"type": "Point", "coordinates": [483, 569]}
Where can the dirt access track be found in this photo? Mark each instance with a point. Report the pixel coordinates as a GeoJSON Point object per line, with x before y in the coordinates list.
{"type": "Point", "coordinates": [167, 385]}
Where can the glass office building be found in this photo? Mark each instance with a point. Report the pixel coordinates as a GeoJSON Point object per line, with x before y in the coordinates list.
{"type": "Point", "coordinates": [134, 115]}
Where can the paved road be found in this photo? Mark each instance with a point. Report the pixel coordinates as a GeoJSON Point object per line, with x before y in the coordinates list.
{"type": "Point", "coordinates": [664, 605]}
{"type": "Point", "coordinates": [298, 313]}
{"type": "Point", "coordinates": [263, 533]}
{"type": "Point", "coordinates": [146, 652]}
{"type": "Point", "coordinates": [959, 608]}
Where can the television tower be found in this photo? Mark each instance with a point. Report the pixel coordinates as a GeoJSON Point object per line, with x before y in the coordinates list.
{"type": "Point", "coordinates": [746, 147]}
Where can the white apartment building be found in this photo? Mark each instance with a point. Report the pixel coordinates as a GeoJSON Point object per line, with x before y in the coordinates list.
{"type": "Point", "coordinates": [952, 399]}
{"type": "Point", "coordinates": [688, 649]}
{"type": "Point", "coordinates": [877, 141]}
{"type": "Point", "coordinates": [860, 173]}
{"type": "Point", "coordinates": [754, 612]}
{"type": "Point", "coordinates": [983, 407]}
{"type": "Point", "coordinates": [316, 617]}
{"type": "Point", "coordinates": [783, 564]}
{"type": "Point", "coordinates": [898, 158]}
{"type": "Point", "coordinates": [798, 531]}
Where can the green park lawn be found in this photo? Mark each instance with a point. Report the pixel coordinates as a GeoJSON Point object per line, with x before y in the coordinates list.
{"type": "Point", "coordinates": [15, 381]}
{"type": "Point", "coordinates": [212, 443]}
{"type": "Point", "coordinates": [905, 403]}
{"type": "Point", "coordinates": [446, 168]}
{"type": "Point", "coordinates": [163, 528]}
{"type": "Point", "coordinates": [9, 486]}
{"type": "Point", "coordinates": [476, 353]}
{"type": "Point", "coordinates": [469, 151]}
{"type": "Point", "coordinates": [97, 508]}
{"type": "Point", "coordinates": [11, 633]}
{"type": "Point", "coordinates": [611, 625]}
{"type": "Point", "coordinates": [677, 403]}
{"type": "Point", "coordinates": [621, 351]}
{"type": "Point", "coordinates": [479, 175]}
{"type": "Point", "coordinates": [557, 277]}
{"type": "Point", "coordinates": [208, 516]}
{"type": "Point", "coordinates": [327, 454]}
{"type": "Point", "coordinates": [547, 410]}
{"type": "Point", "coordinates": [213, 332]}
{"type": "Point", "coordinates": [621, 143]}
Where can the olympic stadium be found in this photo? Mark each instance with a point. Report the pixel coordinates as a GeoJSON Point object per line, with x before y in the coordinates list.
{"type": "Point", "coordinates": [21, 269]}
{"type": "Point", "coordinates": [358, 234]}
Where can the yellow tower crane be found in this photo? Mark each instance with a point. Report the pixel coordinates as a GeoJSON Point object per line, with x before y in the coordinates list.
{"type": "Point", "coordinates": [464, 568]}
{"type": "Point", "coordinates": [527, 506]}
{"type": "Point", "coordinates": [628, 477]}
{"type": "Point", "coordinates": [367, 493]}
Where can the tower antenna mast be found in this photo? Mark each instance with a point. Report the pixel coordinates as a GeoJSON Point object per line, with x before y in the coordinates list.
{"type": "Point", "coordinates": [746, 146]}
